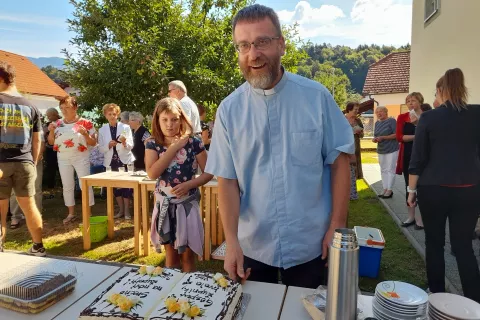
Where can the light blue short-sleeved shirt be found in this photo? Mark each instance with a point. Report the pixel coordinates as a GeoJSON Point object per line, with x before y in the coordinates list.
{"type": "Point", "coordinates": [279, 145]}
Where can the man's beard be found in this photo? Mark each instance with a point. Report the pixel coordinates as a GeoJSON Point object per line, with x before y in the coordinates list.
{"type": "Point", "coordinates": [265, 79]}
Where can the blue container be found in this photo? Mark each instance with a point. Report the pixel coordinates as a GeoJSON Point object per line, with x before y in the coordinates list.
{"type": "Point", "coordinates": [371, 243]}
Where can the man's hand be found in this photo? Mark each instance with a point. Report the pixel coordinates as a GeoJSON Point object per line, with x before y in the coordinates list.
{"type": "Point", "coordinates": [233, 263]}
{"type": "Point", "coordinates": [327, 239]}
{"type": "Point", "coordinates": [112, 144]}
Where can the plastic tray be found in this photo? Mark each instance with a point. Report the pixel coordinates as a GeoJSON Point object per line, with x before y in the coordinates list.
{"type": "Point", "coordinates": [14, 288]}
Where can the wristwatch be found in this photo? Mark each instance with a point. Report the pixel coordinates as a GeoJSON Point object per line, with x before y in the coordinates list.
{"type": "Point", "coordinates": [411, 191]}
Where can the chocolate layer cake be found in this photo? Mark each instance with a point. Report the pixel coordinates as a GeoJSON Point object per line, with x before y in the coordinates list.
{"type": "Point", "coordinates": [36, 292]}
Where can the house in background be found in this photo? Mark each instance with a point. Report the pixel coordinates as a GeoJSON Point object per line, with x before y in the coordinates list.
{"type": "Point", "coordinates": [387, 82]}
{"type": "Point", "coordinates": [32, 83]}
{"type": "Point", "coordinates": [445, 35]}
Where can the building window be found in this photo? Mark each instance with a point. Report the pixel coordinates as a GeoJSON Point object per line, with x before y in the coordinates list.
{"type": "Point", "coordinates": [431, 8]}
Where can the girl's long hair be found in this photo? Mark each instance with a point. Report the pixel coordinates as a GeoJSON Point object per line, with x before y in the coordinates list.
{"type": "Point", "coordinates": [173, 106]}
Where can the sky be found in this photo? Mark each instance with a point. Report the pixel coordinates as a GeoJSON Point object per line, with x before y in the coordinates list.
{"type": "Point", "coordinates": [39, 29]}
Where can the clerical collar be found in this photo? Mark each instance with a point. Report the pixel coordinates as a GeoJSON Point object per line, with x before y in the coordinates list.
{"type": "Point", "coordinates": [278, 87]}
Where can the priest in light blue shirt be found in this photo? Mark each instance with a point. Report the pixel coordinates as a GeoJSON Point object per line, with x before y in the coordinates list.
{"type": "Point", "coordinates": [280, 151]}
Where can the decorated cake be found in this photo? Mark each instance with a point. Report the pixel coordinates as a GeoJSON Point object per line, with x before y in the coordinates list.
{"type": "Point", "coordinates": [201, 295]}
{"type": "Point", "coordinates": [156, 293]}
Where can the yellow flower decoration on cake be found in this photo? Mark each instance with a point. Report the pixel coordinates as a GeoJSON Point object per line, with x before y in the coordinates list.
{"type": "Point", "coordinates": [126, 305]}
{"type": "Point", "coordinates": [157, 271]}
{"type": "Point", "coordinates": [194, 312]}
{"type": "Point", "coordinates": [114, 298]}
{"type": "Point", "coordinates": [142, 270]}
{"type": "Point", "coordinates": [220, 280]}
{"type": "Point", "coordinates": [174, 307]}
{"type": "Point", "coordinates": [170, 301]}
{"type": "Point", "coordinates": [184, 306]}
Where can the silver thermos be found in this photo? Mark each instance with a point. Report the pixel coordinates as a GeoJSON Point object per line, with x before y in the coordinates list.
{"type": "Point", "coordinates": [342, 276]}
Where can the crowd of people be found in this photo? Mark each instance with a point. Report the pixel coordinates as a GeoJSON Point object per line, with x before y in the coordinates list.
{"type": "Point", "coordinates": [285, 157]}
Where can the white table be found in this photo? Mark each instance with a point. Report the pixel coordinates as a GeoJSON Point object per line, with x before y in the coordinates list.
{"type": "Point", "coordinates": [90, 275]}
{"type": "Point", "coordinates": [266, 302]}
{"type": "Point", "coordinates": [293, 307]}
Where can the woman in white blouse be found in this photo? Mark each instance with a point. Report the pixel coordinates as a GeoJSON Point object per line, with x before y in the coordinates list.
{"type": "Point", "coordinates": [116, 143]}
{"type": "Point", "coordinates": [71, 137]}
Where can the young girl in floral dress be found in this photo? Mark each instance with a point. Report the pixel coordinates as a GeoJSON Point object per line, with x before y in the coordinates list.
{"type": "Point", "coordinates": [172, 157]}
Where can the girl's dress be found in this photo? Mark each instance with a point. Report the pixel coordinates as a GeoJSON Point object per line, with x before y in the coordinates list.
{"type": "Point", "coordinates": [177, 221]}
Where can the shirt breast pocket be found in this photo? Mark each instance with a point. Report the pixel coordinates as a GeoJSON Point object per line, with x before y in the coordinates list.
{"type": "Point", "coordinates": [306, 148]}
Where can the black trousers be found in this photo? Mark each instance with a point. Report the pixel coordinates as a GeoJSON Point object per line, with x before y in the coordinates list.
{"type": "Point", "coordinates": [51, 168]}
{"type": "Point", "coordinates": [308, 275]}
{"type": "Point", "coordinates": [461, 206]}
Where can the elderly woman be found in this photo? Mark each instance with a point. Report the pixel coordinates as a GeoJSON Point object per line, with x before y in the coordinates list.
{"type": "Point", "coordinates": [116, 143]}
{"type": "Point", "coordinates": [70, 138]}
{"type": "Point", "coordinates": [387, 149]}
{"type": "Point", "coordinates": [140, 134]}
{"type": "Point", "coordinates": [51, 163]}
{"type": "Point", "coordinates": [125, 117]}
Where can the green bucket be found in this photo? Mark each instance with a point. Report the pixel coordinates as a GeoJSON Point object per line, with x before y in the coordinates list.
{"type": "Point", "coordinates": [98, 228]}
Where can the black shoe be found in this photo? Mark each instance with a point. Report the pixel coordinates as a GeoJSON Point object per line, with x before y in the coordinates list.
{"type": "Point", "coordinates": [408, 224]}
{"type": "Point", "coordinates": [417, 227]}
{"type": "Point", "coordinates": [388, 197]}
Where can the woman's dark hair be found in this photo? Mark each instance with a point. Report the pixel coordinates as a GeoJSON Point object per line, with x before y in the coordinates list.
{"type": "Point", "coordinates": [7, 73]}
{"type": "Point", "coordinates": [452, 86]}
{"type": "Point", "coordinates": [350, 106]}
{"type": "Point", "coordinates": [425, 107]}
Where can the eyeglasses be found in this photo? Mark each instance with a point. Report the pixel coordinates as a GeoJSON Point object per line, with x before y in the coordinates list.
{"type": "Point", "coordinates": [170, 90]}
{"type": "Point", "coordinates": [260, 44]}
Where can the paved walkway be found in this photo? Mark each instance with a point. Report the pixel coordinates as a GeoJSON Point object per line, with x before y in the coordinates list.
{"type": "Point", "coordinates": [396, 206]}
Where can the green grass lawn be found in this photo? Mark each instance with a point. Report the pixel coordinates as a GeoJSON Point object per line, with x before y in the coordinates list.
{"type": "Point", "coordinates": [399, 262]}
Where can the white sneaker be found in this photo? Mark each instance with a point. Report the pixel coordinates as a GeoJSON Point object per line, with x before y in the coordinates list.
{"type": "Point", "coordinates": [128, 217]}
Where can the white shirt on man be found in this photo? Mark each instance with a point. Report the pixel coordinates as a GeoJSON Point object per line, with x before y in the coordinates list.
{"type": "Point", "coordinates": [191, 110]}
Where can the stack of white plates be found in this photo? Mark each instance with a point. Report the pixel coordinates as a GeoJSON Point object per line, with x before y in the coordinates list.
{"type": "Point", "coordinates": [396, 300]}
{"type": "Point", "coordinates": [447, 306]}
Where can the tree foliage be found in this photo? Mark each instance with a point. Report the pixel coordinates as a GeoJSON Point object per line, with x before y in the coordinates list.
{"type": "Point", "coordinates": [57, 75]}
{"type": "Point", "coordinates": [127, 51]}
{"type": "Point", "coordinates": [353, 62]}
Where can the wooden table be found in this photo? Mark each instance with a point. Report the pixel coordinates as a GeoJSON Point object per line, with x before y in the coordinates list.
{"type": "Point", "coordinates": [111, 180]}
{"type": "Point", "coordinates": [90, 276]}
{"type": "Point", "coordinates": [293, 307]}
{"type": "Point", "coordinates": [208, 206]}
{"type": "Point", "coordinates": [146, 187]}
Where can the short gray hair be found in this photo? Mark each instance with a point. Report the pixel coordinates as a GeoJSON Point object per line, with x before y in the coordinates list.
{"type": "Point", "coordinates": [179, 84]}
{"type": "Point", "coordinates": [382, 108]}
{"type": "Point", "coordinates": [136, 116]}
{"type": "Point", "coordinates": [124, 116]}
{"type": "Point", "coordinates": [255, 13]}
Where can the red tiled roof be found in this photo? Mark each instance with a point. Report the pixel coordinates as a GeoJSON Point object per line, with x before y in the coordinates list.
{"type": "Point", "coordinates": [391, 74]}
{"type": "Point", "coordinates": [30, 79]}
